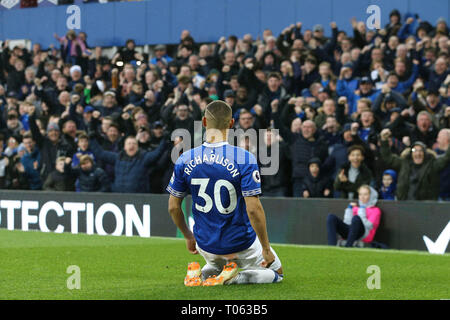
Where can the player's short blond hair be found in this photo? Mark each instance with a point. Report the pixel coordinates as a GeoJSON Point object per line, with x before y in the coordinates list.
{"type": "Point", "coordinates": [218, 115]}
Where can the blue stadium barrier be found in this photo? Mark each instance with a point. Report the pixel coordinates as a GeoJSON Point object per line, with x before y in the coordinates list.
{"type": "Point", "coordinates": [161, 21]}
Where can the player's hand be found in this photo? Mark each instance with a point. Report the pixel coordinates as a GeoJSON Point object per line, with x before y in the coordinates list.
{"type": "Point", "coordinates": [190, 245]}
{"type": "Point", "coordinates": [269, 258]}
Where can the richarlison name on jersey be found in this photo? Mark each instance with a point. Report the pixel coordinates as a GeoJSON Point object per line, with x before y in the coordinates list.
{"type": "Point", "coordinates": [213, 158]}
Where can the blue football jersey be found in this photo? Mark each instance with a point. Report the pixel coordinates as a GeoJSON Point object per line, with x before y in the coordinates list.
{"type": "Point", "coordinates": [218, 176]}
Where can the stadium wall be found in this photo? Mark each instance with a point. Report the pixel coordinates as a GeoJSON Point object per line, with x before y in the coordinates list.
{"type": "Point", "coordinates": [292, 221]}
{"type": "Point", "coordinates": [161, 21]}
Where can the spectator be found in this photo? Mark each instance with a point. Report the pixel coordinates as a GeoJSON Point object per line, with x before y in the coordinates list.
{"type": "Point", "coordinates": [316, 184]}
{"type": "Point", "coordinates": [386, 101]}
{"type": "Point", "coordinates": [90, 178]}
{"type": "Point", "coordinates": [68, 145]}
{"type": "Point", "coordinates": [58, 179]}
{"type": "Point", "coordinates": [17, 178]}
{"type": "Point", "coordinates": [303, 146]}
{"type": "Point", "coordinates": [13, 126]}
{"type": "Point", "coordinates": [328, 109]}
{"type": "Point", "coordinates": [248, 120]}
{"type": "Point", "coordinates": [365, 90]}
{"type": "Point", "coordinates": [127, 54]}
{"type": "Point", "coordinates": [75, 76]}
{"type": "Point", "coordinates": [424, 130]}
{"type": "Point", "coordinates": [438, 74]}
{"type": "Point", "coordinates": [32, 163]}
{"type": "Point", "coordinates": [160, 55]}
{"type": "Point", "coordinates": [331, 132]}
{"type": "Point", "coordinates": [16, 77]}
{"type": "Point", "coordinates": [353, 174]}
{"type": "Point", "coordinates": [443, 144]}
{"type": "Point", "coordinates": [389, 185]}
{"type": "Point", "coordinates": [51, 95]}
{"type": "Point", "coordinates": [180, 115]}
{"type": "Point", "coordinates": [369, 128]}
{"type": "Point", "coordinates": [130, 165]}
{"type": "Point", "coordinates": [347, 83]}
{"type": "Point", "coordinates": [49, 144]}
{"type": "Point", "coordinates": [109, 105]}
{"type": "Point", "coordinates": [275, 185]}
{"type": "Point", "coordinates": [361, 220]}
{"type": "Point", "coordinates": [11, 146]}
{"type": "Point", "coordinates": [402, 87]}
{"type": "Point", "coordinates": [274, 92]}
{"type": "Point", "coordinates": [71, 47]}
{"type": "Point", "coordinates": [418, 170]}
{"type": "Point", "coordinates": [338, 154]}
{"type": "Point", "coordinates": [291, 76]}
{"type": "Point", "coordinates": [83, 149]}
{"type": "Point", "coordinates": [143, 137]}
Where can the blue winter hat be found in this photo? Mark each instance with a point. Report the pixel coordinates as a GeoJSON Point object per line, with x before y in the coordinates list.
{"type": "Point", "coordinates": [88, 109]}
{"type": "Point", "coordinates": [392, 173]}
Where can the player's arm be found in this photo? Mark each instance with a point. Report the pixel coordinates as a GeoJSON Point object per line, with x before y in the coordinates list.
{"type": "Point", "coordinates": [176, 213]}
{"type": "Point", "coordinates": [257, 219]}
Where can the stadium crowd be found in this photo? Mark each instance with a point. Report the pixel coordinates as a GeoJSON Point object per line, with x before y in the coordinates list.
{"type": "Point", "coordinates": [367, 108]}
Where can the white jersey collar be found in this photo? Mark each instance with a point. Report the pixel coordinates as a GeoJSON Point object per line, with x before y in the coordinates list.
{"type": "Point", "coordinates": [214, 145]}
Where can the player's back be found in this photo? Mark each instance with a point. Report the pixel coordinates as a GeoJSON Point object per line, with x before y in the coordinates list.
{"type": "Point", "coordinates": [218, 176]}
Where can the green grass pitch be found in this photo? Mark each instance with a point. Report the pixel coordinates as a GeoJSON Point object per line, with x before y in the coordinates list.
{"type": "Point", "coordinates": [33, 265]}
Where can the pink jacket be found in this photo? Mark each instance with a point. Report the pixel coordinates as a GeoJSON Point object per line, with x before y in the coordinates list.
{"type": "Point", "coordinates": [73, 49]}
{"type": "Point", "coordinates": [370, 216]}
{"type": "Point", "coordinates": [373, 215]}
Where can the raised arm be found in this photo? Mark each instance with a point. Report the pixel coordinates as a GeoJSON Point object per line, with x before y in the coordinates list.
{"type": "Point", "coordinates": [285, 133]}
{"type": "Point", "coordinates": [35, 132]}
{"type": "Point", "coordinates": [106, 156]}
{"type": "Point", "coordinates": [443, 161]}
{"type": "Point", "coordinates": [415, 72]}
{"type": "Point", "coordinates": [387, 156]}
{"type": "Point", "coordinates": [153, 156]}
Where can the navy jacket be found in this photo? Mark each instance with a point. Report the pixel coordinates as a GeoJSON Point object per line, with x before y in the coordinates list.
{"type": "Point", "coordinates": [131, 173]}
{"type": "Point", "coordinates": [33, 175]}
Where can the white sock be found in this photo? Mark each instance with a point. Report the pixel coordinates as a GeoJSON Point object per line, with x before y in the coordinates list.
{"type": "Point", "coordinates": [256, 276]}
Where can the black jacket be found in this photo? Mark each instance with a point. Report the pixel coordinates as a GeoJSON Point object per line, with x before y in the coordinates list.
{"type": "Point", "coordinates": [316, 186]}
{"type": "Point", "coordinates": [94, 180]}
{"type": "Point", "coordinates": [364, 177]}
{"type": "Point", "coordinates": [58, 181]}
{"type": "Point", "coordinates": [49, 150]}
{"type": "Point", "coordinates": [279, 180]}
{"type": "Point", "coordinates": [302, 150]}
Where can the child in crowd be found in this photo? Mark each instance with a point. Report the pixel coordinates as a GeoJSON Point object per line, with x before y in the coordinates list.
{"type": "Point", "coordinates": [388, 185]}
{"type": "Point", "coordinates": [315, 184]}
{"type": "Point", "coordinates": [353, 174]}
{"type": "Point", "coordinates": [58, 180]}
{"type": "Point", "coordinates": [360, 220]}
{"type": "Point", "coordinates": [90, 178]}
{"type": "Point", "coordinates": [83, 148]}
